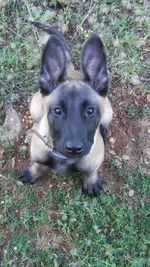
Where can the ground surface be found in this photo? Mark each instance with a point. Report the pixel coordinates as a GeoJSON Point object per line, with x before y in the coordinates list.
{"type": "Point", "coordinates": [52, 223]}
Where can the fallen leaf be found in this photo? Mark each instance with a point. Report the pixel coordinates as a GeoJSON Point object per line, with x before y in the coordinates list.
{"type": "Point", "coordinates": [125, 157]}
{"type": "Point", "coordinates": [148, 98]}
{"type": "Point", "coordinates": [3, 3]}
{"type": "Point", "coordinates": [112, 152]}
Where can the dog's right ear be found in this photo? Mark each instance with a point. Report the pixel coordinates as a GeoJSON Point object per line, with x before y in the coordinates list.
{"type": "Point", "coordinates": [53, 65]}
{"type": "Point", "coordinates": [94, 65]}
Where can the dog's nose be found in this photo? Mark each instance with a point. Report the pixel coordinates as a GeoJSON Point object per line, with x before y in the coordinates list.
{"type": "Point", "coordinates": [74, 149]}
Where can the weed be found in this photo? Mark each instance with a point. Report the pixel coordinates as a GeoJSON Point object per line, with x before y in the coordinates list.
{"type": "Point", "coordinates": [23, 154]}
{"type": "Point", "coordinates": [135, 112]}
{"type": "Point", "coordinates": [9, 149]}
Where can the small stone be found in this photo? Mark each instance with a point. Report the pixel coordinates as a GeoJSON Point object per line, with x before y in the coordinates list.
{"type": "Point", "coordinates": [118, 163]}
{"type": "Point", "coordinates": [1, 164]}
{"type": "Point", "coordinates": [112, 152]}
{"type": "Point", "coordinates": [12, 126]}
{"type": "Point", "coordinates": [135, 79]}
{"type": "Point", "coordinates": [126, 4]}
{"type": "Point", "coordinates": [3, 3]}
{"type": "Point", "coordinates": [146, 161]}
{"type": "Point", "coordinates": [9, 77]}
{"type": "Point", "coordinates": [19, 183]}
{"type": "Point", "coordinates": [23, 148]}
{"type": "Point", "coordinates": [148, 98]}
{"type": "Point", "coordinates": [130, 92]}
{"type": "Point", "coordinates": [131, 193]}
{"type": "Point", "coordinates": [74, 264]}
{"type": "Point", "coordinates": [122, 55]}
{"type": "Point", "coordinates": [91, 20]}
{"type": "Point", "coordinates": [35, 219]}
{"type": "Point", "coordinates": [125, 157]}
{"type": "Point", "coordinates": [112, 140]}
{"type": "Point", "coordinates": [141, 159]}
{"type": "Point", "coordinates": [13, 162]}
{"type": "Point", "coordinates": [107, 253]}
{"type": "Point", "coordinates": [130, 178]}
{"type": "Point", "coordinates": [1, 153]}
{"type": "Point", "coordinates": [116, 42]}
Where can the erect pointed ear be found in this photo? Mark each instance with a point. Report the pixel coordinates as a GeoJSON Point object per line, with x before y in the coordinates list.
{"type": "Point", "coordinates": [53, 65]}
{"type": "Point", "coordinates": [94, 64]}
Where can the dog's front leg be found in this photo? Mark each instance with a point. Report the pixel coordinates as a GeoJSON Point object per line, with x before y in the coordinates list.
{"type": "Point", "coordinates": [92, 184]}
{"type": "Point", "coordinates": [32, 173]}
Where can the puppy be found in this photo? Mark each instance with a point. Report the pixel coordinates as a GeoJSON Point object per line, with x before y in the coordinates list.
{"type": "Point", "coordinates": [71, 112]}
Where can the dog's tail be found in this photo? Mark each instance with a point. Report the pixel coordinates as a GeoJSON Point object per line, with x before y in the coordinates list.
{"type": "Point", "coordinates": [51, 31]}
{"type": "Point", "coordinates": [45, 28]}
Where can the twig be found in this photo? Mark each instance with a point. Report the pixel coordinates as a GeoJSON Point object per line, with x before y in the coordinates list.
{"type": "Point", "coordinates": [32, 19]}
{"type": "Point", "coordinates": [2, 176]}
{"type": "Point", "coordinates": [135, 94]}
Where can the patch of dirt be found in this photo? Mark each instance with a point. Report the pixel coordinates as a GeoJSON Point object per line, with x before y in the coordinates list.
{"type": "Point", "coordinates": [128, 134]}
{"type": "Point", "coordinates": [52, 236]}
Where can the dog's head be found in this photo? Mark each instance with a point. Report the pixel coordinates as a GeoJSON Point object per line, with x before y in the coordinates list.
{"type": "Point", "coordinates": [73, 105]}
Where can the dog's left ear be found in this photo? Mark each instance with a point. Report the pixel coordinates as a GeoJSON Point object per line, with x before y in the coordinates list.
{"type": "Point", "coordinates": [94, 65]}
{"type": "Point", "coordinates": [53, 65]}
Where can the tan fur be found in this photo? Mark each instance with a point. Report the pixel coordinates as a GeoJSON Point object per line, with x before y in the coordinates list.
{"type": "Point", "coordinates": [37, 107]}
{"type": "Point", "coordinates": [88, 165]}
{"type": "Point", "coordinates": [106, 111]}
{"type": "Point", "coordinates": [94, 159]}
{"type": "Point", "coordinates": [38, 150]}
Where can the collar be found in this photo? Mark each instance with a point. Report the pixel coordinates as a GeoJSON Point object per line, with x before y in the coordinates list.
{"type": "Point", "coordinates": [50, 146]}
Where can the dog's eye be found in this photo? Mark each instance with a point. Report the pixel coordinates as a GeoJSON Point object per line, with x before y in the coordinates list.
{"type": "Point", "coordinates": [90, 111]}
{"type": "Point", "coordinates": [58, 111]}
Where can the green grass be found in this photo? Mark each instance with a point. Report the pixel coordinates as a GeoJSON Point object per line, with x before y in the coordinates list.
{"type": "Point", "coordinates": [44, 227]}
{"type": "Point", "coordinates": [135, 112]}
{"type": "Point", "coordinates": [107, 231]}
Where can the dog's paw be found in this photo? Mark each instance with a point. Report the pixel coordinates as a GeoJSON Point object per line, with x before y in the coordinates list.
{"type": "Point", "coordinates": [92, 190]}
{"type": "Point", "coordinates": [27, 177]}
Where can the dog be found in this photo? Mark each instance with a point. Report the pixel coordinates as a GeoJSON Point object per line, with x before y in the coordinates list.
{"type": "Point", "coordinates": [71, 112]}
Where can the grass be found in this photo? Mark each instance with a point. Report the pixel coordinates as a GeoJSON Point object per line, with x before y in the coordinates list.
{"type": "Point", "coordinates": [135, 112]}
{"type": "Point", "coordinates": [42, 226]}
{"type": "Point", "coordinates": [64, 227]}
